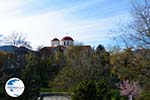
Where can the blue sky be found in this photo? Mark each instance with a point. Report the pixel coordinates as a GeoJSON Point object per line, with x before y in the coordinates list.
{"type": "Point", "coordinates": [87, 21]}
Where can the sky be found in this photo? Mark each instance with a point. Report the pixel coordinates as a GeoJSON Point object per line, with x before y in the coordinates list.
{"type": "Point", "coordinates": [87, 21]}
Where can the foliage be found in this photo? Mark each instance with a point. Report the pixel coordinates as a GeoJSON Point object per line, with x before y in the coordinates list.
{"type": "Point", "coordinates": [100, 48]}
{"type": "Point", "coordinates": [82, 66]}
{"type": "Point", "coordinates": [132, 65]}
{"type": "Point", "coordinates": [136, 33]}
{"type": "Point", "coordinates": [115, 94]}
{"type": "Point", "coordinates": [145, 95]}
{"type": "Point", "coordinates": [103, 90]}
{"type": "Point", "coordinates": [140, 26]}
{"type": "Point", "coordinates": [42, 69]}
{"type": "Point", "coordinates": [129, 89]}
{"type": "Point", "coordinates": [85, 91]}
{"type": "Point", "coordinates": [30, 78]}
{"type": "Point", "coordinates": [95, 90]}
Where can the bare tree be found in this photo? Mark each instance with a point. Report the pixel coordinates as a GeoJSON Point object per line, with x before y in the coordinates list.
{"type": "Point", "coordinates": [17, 39]}
{"type": "Point", "coordinates": [137, 32]}
{"type": "Point", "coordinates": [140, 27]}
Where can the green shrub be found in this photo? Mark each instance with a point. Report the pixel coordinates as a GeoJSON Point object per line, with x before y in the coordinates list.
{"type": "Point", "coordinates": [91, 90]}
{"type": "Point", "coordinates": [115, 94]}
{"type": "Point", "coordinates": [84, 91]}
{"type": "Point", "coordinates": [103, 91]}
{"type": "Point", "coordinates": [145, 95]}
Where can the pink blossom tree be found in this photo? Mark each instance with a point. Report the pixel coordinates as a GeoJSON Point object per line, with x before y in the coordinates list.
{"type": "Point", "coordinates": [130, 89]}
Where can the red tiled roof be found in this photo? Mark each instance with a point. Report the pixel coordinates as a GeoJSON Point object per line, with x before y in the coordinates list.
{"type": "Point", "coordinates": [86, 47]}
{"type": "Point", "coordinates": [67, 38]}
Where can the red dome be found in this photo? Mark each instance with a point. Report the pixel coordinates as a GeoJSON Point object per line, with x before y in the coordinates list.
{"type": "Point", "coordinates": [55, 39]}
{"type": "Point", "coordinates": [67, 38]}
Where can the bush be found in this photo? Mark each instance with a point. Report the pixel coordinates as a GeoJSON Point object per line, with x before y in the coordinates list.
{"type": "Point", "coordinates": [115, 95]}
{"type": "Point", "coordinates": [91, 90]}
{"type": "Point", "coordinates": [103, 91]}
{"type": "Point", "coordinates": [84, 91]}
{"type": "Point", "coordinates": [145, 95]}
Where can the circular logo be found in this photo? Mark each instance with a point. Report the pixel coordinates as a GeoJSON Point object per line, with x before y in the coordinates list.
{"type": "Point", "coordinates": [14, 87]}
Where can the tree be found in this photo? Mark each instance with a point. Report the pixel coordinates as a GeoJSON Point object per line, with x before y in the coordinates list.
{"type": "Point", "coordinates": [31, 78]}
{"type": "Point", "coordinates": [140, 26]}
{"type": "Point", "coordinates": [17, 39]}
{"type": "Point", "coordinates": [133, 66]}
{"type": "Point", "coordinates": [100, 48]}
{"type": "Point", "coordinates": [91, 90]}
{"type": "Point", "coordinates": [82, 66]}
{"type": "Point", "coordinates": [84, 91]}
{"type": "Point", "coordinates": [136, 34]}
{"type": "Point", "coordinates": [133, 62]}
{"type": "Point", "coordinates": [4, 75]}
{"type": "Point", "coordinates": [75, 70]}
{"type": "Point", "coordinates": [129, 89]}
{"type": "Point", "coordinates": [44, 70]}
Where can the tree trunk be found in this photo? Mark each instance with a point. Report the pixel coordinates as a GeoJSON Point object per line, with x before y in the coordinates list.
{"type": "Point", "coordinates": [130, 97]}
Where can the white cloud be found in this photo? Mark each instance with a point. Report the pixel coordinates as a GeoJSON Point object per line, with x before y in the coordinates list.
{"type": "Point", "coordinates": [43, 27]}
{"type": "Point", "coordinates": [11, 8]}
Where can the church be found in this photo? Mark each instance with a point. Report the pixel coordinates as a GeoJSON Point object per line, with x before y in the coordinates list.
{"type": "Point", "coordinates": [65, 41]}
{"type": "Point", "coordinates": [62, 45]}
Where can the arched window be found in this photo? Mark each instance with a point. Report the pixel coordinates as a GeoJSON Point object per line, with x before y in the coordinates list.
{"type": "Point", "coordinates": [67, 42]}
{"type": "Point", "coordinates": [64, 43]}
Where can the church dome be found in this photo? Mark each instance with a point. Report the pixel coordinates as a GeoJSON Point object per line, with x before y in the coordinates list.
{"type": "Point", "coordinates": [67, 38]}
{"type": "Point", "coordinates": [55, 39]}
{"type": "Point", "coordinates": [55, 42]}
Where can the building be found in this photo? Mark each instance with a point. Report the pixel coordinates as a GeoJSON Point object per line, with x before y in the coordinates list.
{"type": "Point", "coordinates": [62, 45]}
{"type": "Point", "coordinates": [55, 42]}
{"type": "Point", "coordinates": [65, 41]}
